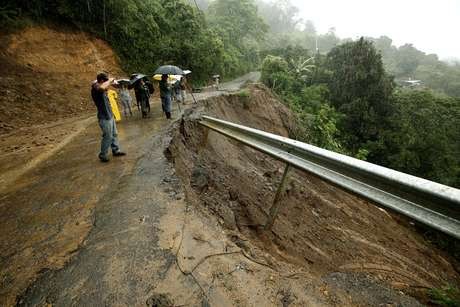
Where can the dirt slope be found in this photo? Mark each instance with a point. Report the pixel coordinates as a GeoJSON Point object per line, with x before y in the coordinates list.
{"type": "Point", "coordinates": [340, 243]}
{"type": "Point", "coordinates": [45, 75]}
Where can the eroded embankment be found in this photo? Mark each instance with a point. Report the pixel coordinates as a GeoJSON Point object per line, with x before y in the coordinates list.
{"type": "Point", "coordinates": [344, 242]}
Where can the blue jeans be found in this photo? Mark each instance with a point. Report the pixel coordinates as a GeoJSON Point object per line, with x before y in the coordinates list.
{"type": "Point", "coordinates": [166, 104]}
{"type": "Point", "coordinates": [109, 137]}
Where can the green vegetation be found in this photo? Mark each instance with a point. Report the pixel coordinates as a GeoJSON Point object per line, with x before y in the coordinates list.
{"type": "Point", "coordinates": [360, 89]}
{"type": "Point", "coordinates": [405, 62]}
{"type": "Point", "coordinates": [448, 296]}
{"type": "Point", "coordinates": [408, 62]}
{"type": "Point", "coordinates": [241, 30]}
{"type": "Point", "coordinates": [346, 102]}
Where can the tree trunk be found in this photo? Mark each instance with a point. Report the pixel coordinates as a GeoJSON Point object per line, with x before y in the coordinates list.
{"type": "Point", "coordinates": [103, 17]}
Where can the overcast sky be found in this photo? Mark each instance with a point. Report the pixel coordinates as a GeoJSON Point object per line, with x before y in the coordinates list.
{"type": "Point", "coordinates": [432, 26]}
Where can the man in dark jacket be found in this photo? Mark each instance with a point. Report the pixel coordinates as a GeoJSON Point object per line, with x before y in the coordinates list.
{"type": "Point", "coordinates": [142, 96]}
{"type": "Point", "coordinates": [105, 117]}
{"type": "Point", "coordinates": [143, 89]}
{"type": "Point", "coordinates": [165, 94]}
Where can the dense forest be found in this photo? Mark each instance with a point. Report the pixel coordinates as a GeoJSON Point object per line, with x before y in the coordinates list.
{"type": "Point", "coordinates": [346, 93]}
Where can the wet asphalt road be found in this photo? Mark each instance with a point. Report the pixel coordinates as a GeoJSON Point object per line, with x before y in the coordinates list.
{"type": "Point", "coordinates": [121, 260]}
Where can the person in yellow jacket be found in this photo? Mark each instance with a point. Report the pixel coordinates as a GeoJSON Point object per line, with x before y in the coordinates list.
{"type": "Point", "coordinates": [113, 97]}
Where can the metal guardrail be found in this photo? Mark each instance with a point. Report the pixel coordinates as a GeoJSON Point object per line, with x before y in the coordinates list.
{"type": "Point", "coordinates": [431, 203]}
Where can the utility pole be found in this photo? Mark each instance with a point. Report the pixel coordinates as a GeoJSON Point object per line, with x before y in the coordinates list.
{"type": "Point", "coordinates": [105, 26]}
{"type": "Point", "coordinates": [316, 41]}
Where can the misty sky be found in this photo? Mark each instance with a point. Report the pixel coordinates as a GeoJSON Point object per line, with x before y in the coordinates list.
{"type": "Point", "coordinates": [432, 26]}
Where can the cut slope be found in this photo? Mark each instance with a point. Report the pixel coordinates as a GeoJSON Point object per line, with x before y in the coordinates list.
{"type": "Point", "coordinates": [46, 74]}
{"type": "Point", "coordinates": [332, 236]}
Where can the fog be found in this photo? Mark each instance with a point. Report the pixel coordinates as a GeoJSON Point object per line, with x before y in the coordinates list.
{"type": "Point", "coordinates": [431, 26]}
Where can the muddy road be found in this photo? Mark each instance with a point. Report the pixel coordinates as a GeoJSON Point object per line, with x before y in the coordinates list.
{"type": "Point", "coordinates": [48, 212]}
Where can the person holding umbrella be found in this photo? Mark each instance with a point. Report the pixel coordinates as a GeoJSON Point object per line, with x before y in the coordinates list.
{"type": "Point", "coordinates": [165, 94]}
{"type": "Point", "coordinates": [142, 92]}
{"type": "Point", "coordinates": [165, 88]}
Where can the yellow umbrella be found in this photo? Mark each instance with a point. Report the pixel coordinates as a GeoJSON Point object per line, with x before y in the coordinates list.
{"type": "Point", "coordinates": [171, 78]}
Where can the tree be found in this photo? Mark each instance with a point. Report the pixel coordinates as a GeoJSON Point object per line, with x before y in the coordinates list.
{"type": "Point", "coordinates": [281, 15]}
{"type": "Point", "coordinates": [241, 30]}
{"type": "Point", "coordinates": [423, 139]}
{"type": "Point", "coordinates": [407, 60]}
{"type": "Point", "coordinates": [272, 68]}
{"type": "Point", "coordinates": [359, 88]}
{"type": "Point", "coordinates": [328, 41]}
{"type": "Point", "coordinates": [236, 21]}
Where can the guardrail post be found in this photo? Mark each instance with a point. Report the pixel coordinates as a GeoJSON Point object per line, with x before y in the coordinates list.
{"type": "Point", "coordinates": [276, 202]}
{"type": "Point", "coordinates": [204, 140]}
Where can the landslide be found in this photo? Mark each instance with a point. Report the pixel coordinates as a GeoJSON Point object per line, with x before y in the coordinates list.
{"type": "Point", "coordinates": [333, 238]}
{"type": "Point", "coordinates": [46, 73]}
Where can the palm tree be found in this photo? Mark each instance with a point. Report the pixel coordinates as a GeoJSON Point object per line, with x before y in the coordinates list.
{"type": "Point", "coordinates": [302, 67]}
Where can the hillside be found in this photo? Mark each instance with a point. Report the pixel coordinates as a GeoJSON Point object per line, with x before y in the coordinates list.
{"type": "Point", "coordinates": [46, 74]}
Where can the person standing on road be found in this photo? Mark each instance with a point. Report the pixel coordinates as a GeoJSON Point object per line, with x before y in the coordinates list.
{"type": "Point", "coordinates": [177, 90]}
{"type": "Point", "coordinates": [150, 89]}
{"type": "Point", "coordinates": [183, 88]}
{"type": "Point", "coordinates": [165, 94]}
{"type": "Point", "coordinates": [126, 99]}
{"type": "Point", "coordinates": [105, 116]}
{"type": "Point", "coordinates": [143, 96]}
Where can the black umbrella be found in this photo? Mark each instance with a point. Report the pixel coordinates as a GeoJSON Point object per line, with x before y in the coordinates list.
{"type": "Point", "coordinates": [123, 81]}
{"type": "Point", "coordinates": [136, 77]}
{"type": "Point", "coordinates": [169, 70]}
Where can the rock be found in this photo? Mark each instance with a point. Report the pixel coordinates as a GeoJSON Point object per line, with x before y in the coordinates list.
{"type": "Point", "coordinates": [200, 179]}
